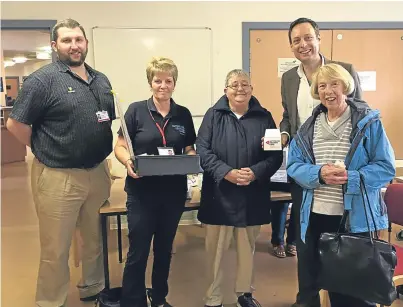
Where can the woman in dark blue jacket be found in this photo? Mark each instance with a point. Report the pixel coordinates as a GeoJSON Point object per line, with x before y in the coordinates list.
{"type": "Point", "coordinates": [235, 197]}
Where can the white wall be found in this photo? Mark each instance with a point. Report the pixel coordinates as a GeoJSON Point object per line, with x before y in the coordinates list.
{"type": "Point", "coordinates": [25, 69]}
{"type": "Point", "coordinates": [29, 68]}
{"type": "Point", "coordinates": [15, 71]}
{"type": "Point", "coordinates": [225, 18]}
{"type": "Point", "coordinates": [3, 81]}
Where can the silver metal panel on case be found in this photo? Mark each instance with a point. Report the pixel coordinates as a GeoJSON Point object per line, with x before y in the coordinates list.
{"type": "Point", "coordinates": [125, 132]}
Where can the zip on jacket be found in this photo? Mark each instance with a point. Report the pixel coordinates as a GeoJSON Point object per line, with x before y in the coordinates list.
{"type": "Point", "coordinates": [304, 136]}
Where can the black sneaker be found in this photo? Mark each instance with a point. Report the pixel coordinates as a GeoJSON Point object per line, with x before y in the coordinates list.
{"type": "Point", "coordinates": [89, 298]}
{"type": "Point", "coordinates": [246, 300]}
{"type": "Point", "coordinates": [149, 295]}
{"type": "Point", "coordinates": [304, 305]}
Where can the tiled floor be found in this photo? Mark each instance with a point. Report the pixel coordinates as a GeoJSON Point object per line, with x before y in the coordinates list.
{"type": "Point", "coordinates": [275, 279]}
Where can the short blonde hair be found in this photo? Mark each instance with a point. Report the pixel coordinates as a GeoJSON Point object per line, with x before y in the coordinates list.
{"type": "Point", "coordinates": [236, 72]}
{"type": "Point", "coordinates": [161, 64]}
{"type": "Point", "coordinates": [332, 72]}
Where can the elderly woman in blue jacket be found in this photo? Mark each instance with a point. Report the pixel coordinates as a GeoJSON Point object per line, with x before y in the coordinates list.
{"type": "Point", "coordinates": [341, 142]}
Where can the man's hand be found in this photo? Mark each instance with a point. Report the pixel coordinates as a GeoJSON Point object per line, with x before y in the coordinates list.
{"type": "Point", "coordinates": [130, 169]}
{"type": "Point", "coordinates": [333, 175]}
{"type": "Point", "coordinates": [284, 140]}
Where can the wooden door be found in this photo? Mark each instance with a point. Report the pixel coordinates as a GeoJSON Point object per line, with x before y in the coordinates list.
{"type": "Point", "coordinates": [266, 47]}
{"type": "Point", "coordinates": [379, 51]}
{"type": "Point", "coordinates": [12, 84]}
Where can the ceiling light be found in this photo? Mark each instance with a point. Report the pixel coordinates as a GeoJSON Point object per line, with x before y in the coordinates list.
{"type": "Point", "coordinates": [43, 56]}
{"type": "Point", "coordinates": [20, 59]}
{"type": "Point", "coordinates": [8, 63]}
{"type": "Point", "coordinates": [45, 49]}
{"type": "Point", "coordinates": [149, 43]}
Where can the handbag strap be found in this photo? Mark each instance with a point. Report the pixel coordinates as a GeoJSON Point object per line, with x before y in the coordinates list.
{"type": "Point", "coordinates": [363, 187]}
{"type": "Point", "coordinates": [366, 214]}
{"type": "Point", "coordinates": [363, 190]}
{"type": "Point", "coordinates": [343, 219]}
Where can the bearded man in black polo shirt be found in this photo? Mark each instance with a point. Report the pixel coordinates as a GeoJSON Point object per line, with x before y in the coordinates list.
{"type": "Point", "coordinates": [64, 113]}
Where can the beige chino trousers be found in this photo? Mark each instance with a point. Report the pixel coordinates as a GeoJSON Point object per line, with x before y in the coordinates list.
{"type": "Point", "coordinates": [218, 240]}
{"type": "Point", "coordinates": [63, 199]}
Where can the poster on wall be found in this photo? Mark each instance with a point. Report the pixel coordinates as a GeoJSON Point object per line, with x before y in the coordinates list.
{"type": "Point", "coordinates": [367, 80]}
{"type": "Point", "coordinates": [285, 64]}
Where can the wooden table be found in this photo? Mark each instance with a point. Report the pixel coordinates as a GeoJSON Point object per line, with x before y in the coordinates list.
{"type": "Point", "coordinates": [116, 206]}
{"type": "Point", "coordinates": [11, 149]}
{"type": "Point", "coordinates": [398, 179]}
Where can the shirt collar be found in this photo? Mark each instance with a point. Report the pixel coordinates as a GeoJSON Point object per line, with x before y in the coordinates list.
{"type": "Point", "coordinates": [300, 69]}
{"type": "Point", "coordinates": [65, 68]}
{"type": "Point", "coordinates": [151, 106]}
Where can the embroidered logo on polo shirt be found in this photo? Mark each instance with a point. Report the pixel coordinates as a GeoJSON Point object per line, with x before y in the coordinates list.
{"type": "Point", "coordinates": [70, 90]}
{"type": "Point", "coordinates": [179, 128]}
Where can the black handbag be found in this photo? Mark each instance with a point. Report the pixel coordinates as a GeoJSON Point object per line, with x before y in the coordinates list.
{"type": "Point", "coordinates": [356, 265]}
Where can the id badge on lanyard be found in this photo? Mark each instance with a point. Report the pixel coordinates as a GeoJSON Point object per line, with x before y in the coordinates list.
{"type": "Point", "coordinates": [163, 151]}
{"type": "Point", "coordinates": [102, 116]}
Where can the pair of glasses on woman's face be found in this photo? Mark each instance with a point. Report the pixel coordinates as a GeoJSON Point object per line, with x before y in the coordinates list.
{"type": "Point", "coordinates": [235, 86]}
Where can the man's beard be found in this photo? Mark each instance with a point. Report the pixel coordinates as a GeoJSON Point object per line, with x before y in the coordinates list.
{"type": "Point", "coordinates": [69, 62]}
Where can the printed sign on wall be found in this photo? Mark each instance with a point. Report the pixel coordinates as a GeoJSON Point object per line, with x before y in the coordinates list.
{"type": "Point", "coordinates": [285, 64]}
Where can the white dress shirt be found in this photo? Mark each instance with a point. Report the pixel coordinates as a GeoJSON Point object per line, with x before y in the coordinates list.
{"type": "Point", "coordinates": [305, 102]}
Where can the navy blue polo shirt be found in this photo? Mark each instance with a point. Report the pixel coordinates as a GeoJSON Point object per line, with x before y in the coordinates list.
{"type": "Point", "coordinates": [141, 118]}
{"type": "Point", "coordinates": [62, 107]}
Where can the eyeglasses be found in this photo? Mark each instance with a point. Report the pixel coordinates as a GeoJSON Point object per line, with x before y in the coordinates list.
{"type": "Point", "coordinates": [235, 86]}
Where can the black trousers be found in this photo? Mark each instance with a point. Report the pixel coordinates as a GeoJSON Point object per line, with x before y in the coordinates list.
{"type": "Point", "coordinates": [307, 291]}
{"type": "Point", "coordinates": [149, 217]}
{"type": "Point", "coordinates": [308, 265]}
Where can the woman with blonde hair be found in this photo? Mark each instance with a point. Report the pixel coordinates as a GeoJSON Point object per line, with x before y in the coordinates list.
{"type": "Point", "coordinates": [341, 142]}
{"type": "Point", "coordinates": [154, 203]}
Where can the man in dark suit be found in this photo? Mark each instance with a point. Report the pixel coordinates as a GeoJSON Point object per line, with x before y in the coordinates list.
{"type": "Point", "coordinates": [304, 38]}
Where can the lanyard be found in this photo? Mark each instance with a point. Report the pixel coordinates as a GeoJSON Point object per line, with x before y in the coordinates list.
{"type": "Point", "coordinates": [94, 91]}
{"type": "Point", "coordinates": [161, 130]}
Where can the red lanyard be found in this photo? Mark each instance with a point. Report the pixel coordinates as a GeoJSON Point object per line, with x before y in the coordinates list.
{"type": "Point", "coordinates": [161, 130]}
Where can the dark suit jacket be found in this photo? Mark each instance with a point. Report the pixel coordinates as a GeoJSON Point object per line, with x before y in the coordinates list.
{"type": "Point", "coordinates": [289, 94]}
